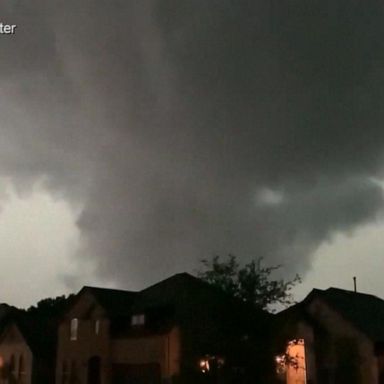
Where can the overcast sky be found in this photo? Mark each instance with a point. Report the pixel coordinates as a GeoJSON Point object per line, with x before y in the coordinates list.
{"type": "Point", "coordinates": [138, 137]}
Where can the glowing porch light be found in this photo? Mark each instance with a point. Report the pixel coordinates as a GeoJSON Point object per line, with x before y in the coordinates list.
{"type": "Point", "coordinates": [204, 365]}
{"type": "Point", "coordinates": [208, 362]}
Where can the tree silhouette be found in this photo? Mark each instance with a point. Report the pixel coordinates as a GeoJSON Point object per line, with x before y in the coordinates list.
{"type": "Point", "coordinates": [251, 283]}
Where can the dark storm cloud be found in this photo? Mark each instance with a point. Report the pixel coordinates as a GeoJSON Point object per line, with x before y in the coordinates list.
{"type": "Point", "coordinates": [166, 119]}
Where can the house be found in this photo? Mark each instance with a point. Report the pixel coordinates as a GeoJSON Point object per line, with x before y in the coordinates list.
{"type": "Point", "coordinates": [178, 330]}
{"type": "Point", "coordinates": [332, 336]}
{"type": "Point", "coordinates": [27, 349]}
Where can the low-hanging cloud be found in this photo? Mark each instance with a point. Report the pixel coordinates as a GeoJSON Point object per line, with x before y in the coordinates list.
{"type": "Point", "coordinates": [167, 119]}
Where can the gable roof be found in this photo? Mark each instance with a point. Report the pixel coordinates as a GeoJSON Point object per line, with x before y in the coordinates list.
{"type": "Point", "coordinates": [193, 299]}
{"type": "Point", "coordinates": [7, 312]}
{"type": "Point", "coordinates": [181, 290]}
{"type": "Point", "coordinates": [364, 311]}
{"type": "Point", "coordinates": [116, 302]}
{"type": "Point", "coordinates": [175, 289]}
{"type": "Point", "coordinates": [181, 298]}
{"type": "Point", "coordinates": [171, 291]}
{"type": "Point", "coordinates": [39, 333]}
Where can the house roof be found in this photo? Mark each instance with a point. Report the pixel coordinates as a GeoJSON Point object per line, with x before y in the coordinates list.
{"type": "Point", "coordinates": [40, 333]}
{"type": "Point", "coordinates": [185, 292]}
{"type": "Point", "coordinates": [194, 301]}
{"type": "Point", "coordinates": [116, 302]}
{"type": "Point", "coordinates": [6, 313]}
{"type": "Point", "coordinates": [173, 290]}
{"type": "Point", "coordinates": [177, 290]}
{"type": "Point", "coordinates": [364, 311]}
{"type": "Point", "coordinates": [181, 298]}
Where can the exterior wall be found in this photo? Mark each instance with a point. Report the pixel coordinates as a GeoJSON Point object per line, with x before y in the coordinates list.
{"type": "Point", "coordinates": [345, 339]}
{"type": "Point", "coordinates": [75, 354]}
{"type": "Point", "coordinates": [13, 344]}
{"type": "Point", "coordinates": [160, 349]}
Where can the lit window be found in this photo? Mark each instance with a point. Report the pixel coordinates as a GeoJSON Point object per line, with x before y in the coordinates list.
{"type": "Point", "coordinates": [74, 328]}
{"type": "Point", "coordinates": [97, 327]}
{"type": "Point", "coordinates": [138, 320]}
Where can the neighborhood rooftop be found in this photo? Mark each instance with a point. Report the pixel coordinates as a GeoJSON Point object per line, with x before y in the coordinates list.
{"type": "Point", "coordinates": [365, 311]}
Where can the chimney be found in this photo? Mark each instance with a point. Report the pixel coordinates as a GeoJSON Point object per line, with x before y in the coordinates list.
{"type": "Point", "coordinates": [354, 283]}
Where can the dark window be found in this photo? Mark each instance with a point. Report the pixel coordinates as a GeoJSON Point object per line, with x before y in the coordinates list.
{"type": "Point", "coordinates": [138, 320]}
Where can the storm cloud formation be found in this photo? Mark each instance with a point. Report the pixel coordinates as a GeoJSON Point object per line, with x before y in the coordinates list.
{"type": "Point", "coordinates": [189, 128]}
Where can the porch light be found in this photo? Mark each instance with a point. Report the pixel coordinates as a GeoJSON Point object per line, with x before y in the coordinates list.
{"type": "Point", "coordinates": [209, 362]}
{"type": "Point", "coordinates": [204, 365]}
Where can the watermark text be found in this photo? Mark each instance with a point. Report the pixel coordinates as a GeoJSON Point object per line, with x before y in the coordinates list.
{"type": "Point", "coordinates": [7, 29]}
